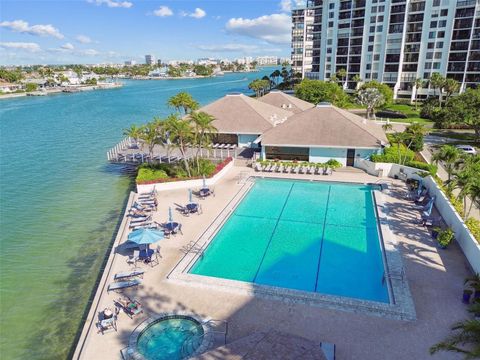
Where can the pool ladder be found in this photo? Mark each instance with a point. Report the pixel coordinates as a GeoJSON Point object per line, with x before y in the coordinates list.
{"type": "Point", "coordinates": [395, 275]}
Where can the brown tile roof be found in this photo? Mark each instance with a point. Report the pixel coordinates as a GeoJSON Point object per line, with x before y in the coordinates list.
{"type": "Point", "coordinates": [285, 101]}
{"type": "Point", "coordinates": [326, 126]}
{"type": "Point", "coordinates": [240, 114]}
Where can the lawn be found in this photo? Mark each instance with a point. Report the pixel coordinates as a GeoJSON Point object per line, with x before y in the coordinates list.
{"type": "Point", "coordinates": [412, 114]}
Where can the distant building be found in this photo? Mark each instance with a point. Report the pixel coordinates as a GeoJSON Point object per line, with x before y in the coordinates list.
{"type": "Point", "coordinates": [149, 59]}
{"type": "Point", "coordinates": [207, 61]}
{"type": "Point", "coordinates": [159, 62]}
{"type": "Point", "coordinates": [267, 60]}
{"type": "Point", "coordinates": [130, 63]}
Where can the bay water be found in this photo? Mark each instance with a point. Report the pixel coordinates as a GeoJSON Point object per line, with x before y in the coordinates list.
{"type": "Point", "coordinates": [60, 201]}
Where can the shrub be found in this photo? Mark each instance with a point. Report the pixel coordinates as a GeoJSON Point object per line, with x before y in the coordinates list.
{"type": "Point", "coordinates": [384, 89]}
{"type": "Point", "coordinates": [391, 155]}
{"type": "Point", "coordinates": [150, 174]}
{"type": "Point", "coordinates": [474, 227]}
{"type": "Point", "coordinates": [432, 169]}
{"type": "Point", "coordinates": [445, 237]}
{"type": "Point", "coordinates": [429, 108]}
{"type": "Point", "coordinates": [315, 91]}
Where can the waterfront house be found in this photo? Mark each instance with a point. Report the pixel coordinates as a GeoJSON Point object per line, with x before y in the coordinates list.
{"type": "Point", "coordinates": [6, 87]}
{"type": "Point", "coordinates": [321, 133]}
{"type": "Point", "coordinates": [240, 119]}
{"type": "Point", "coordinates": [287, 102]}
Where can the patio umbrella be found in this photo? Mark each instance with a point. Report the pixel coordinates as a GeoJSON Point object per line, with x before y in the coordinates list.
{"type": "Point", "coordinates": [170, 215]}
{"type": "Point", "coordinates": [145, 236]}
{"type": "Point", "coordinates": [190, 196]}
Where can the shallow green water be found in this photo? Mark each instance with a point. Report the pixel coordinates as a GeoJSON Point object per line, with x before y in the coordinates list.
{"type": "Point", "coordinates": [61, 201]}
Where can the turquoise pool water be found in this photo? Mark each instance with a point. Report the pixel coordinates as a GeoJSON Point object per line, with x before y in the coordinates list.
{"type": "Point", "coordinates": [310, 236]}
{"type": "Point", "coordinates": [170, 339]}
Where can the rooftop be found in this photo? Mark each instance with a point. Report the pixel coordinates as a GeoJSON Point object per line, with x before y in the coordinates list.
{"type": "Point", "coordinates": [285, 101]}
{"type": "Point", "coordinates": [240, 114]}
{"type": "Point", "coordinates": [326, 125]}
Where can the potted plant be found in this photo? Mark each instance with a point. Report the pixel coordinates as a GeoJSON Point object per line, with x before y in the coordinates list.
{"type": "Point", "coordinates": [435, 231]}
{"type": "Point", "coordinates": [473, 283]}
{"type": "Point", "coordinates": [445, 237]}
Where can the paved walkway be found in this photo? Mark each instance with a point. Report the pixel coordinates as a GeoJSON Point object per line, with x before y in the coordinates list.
{"type": "Point", "coordinates": [435, 278]}
{"type": "Point", "coordinates": [442, 174]}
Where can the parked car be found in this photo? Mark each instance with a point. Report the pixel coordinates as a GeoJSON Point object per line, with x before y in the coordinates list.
{"type": "Point", "coordinates": [468, 149]}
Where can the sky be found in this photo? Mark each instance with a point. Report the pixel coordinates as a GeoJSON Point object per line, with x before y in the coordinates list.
{"type": "Point", "coordinates": [113, 31]}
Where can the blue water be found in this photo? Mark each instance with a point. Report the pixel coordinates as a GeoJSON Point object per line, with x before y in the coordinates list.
{"type": "Point", "coordinates": [60, 201]}
{"type": "Point", "coordinates": [170, 339]}
{"type": "Point", "coordinates": [310, 236]}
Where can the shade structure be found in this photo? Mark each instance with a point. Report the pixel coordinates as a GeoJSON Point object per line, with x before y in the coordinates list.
{"type": "Point", "coordinates": [145, 236]}
{"type": "Point", "coordinates": [170, 215]}
{"type": "Point", "coordinates": [190, 196]}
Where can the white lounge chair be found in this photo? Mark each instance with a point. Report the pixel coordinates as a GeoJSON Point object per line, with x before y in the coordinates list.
{"type": "Point", "coordinates": [120, 285]}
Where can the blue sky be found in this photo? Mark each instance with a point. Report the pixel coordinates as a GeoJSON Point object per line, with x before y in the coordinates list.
{"type": "Point", "coordinates": [96, 31]}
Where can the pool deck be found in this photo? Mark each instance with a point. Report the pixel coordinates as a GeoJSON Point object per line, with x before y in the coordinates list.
{"type": "Point", "coordinates": [435, 279]}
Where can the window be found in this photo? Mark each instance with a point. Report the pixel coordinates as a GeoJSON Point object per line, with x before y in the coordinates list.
{"type": "Point", "coordinates": [330, 24]}
{"type": "Point", "coordinates": [426, 75]}
{"type": "Point", "coordinates": [440, 45]}
{"type": "Point", "coordinates": [373, 19]}
{"type": "Point", "coordinates": [375, 76]}
{"type": "Point", "coordinates": [374, 9]}
{"type": "Point", "coordinates": [441, 34]}
{"type": "Point", "coordinates": [329, 58]}
{"type": "Point", "coordinates": [436, 65]}
{"type": "Point", "coordinates": [371, 38]}
{"type": "Point", "coordinates": [370, 48]}
{"type": "Point", "coordinates": [369, 66]}
{"type": "Point", "coordinates": [428, 65]}
{"type": "Point", "coordinates": [444, 12]}
{"type": "Point", "coordinates": [376, 57]}
{"type": "Point", "coordinates": [436, 2]}
{"type": "Point", "coordinates": [430, 45]}
{"type": "Point", "coordinates": [379, 28]}
{"type": "Point", "coordinates": [431, 35]}
{"type": "Point", "coordinates": [329, 50]}
{"type": "Point", "coordinates": [372, 29]}
{"type": "Point", "coordinates": [331, 6]}
{"type": "Point", "coordinates": [433, 24]}
{"type": "Point", "coordinates": [331, 15]}
{"type": "Point", "coordinates": [442, 23]}
{"type": "Point", "coordinates": [329, 42]}
{"type": "Point", "coordinates": [380, 18]}
{"type": "Point", "coordinates": [381, 8]}
{"type": "Point", "coordinates": [438, 55]}
{"type": "Point", "coordinates": [429, 55]}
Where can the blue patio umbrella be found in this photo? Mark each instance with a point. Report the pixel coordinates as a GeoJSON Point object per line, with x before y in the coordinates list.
{"type": "Point", "coordinates": [145, 236]}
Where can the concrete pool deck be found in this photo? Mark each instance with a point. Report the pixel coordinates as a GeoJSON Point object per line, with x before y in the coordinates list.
{"type": "Point", "coordinates": [435, 278]}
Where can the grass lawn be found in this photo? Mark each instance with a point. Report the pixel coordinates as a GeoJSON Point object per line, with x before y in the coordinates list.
{"type": "Point", "coordinates": [412, 114]}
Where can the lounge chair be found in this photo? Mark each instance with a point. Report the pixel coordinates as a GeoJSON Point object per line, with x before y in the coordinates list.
{"type": "Point", "coordinates": [132, 260]}
{"type": "Point", "coordinates": [107, 325]}
{"type": "Point", "coordinates": [129, 307]}
{"type": "Point", "coordinates": [120, 285]}
{"type": "Point", "coordinates": [257, 167]}
{"type": "Point", "coordinates": [129, 274]}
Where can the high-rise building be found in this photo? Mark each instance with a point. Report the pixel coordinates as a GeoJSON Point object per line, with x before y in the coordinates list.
{"type": "Point", "coordinates": [149, 59]}
{"type": "Point", "coordinates": [130, 62]}
{"type": "Point", "coordinates": [391, 41]}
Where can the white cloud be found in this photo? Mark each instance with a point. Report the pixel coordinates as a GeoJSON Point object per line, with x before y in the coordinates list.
{"type": "Point", "coordinates": [27, 46]}
{"type": "Point", "coordinates": [163, 11]}
{"type": "Point", "coordinates": [228, 47]}
{"type": "Point", "coordinates": [300, 3]}
{"type": "Point", "coordinates": [197, 14]}
{"type": "Point", "coordinates": [89, 52]}
{"type": "Point", "coordinates": [273, 28]}
{"type": "Point", "coordinates": [83, 39]}
{"type": "Point", "coordinates": [22, 26]}
{"type": "Point", "coordinates": [68, 46]}
{"type": "Point", "coordinates": [286, 5]}
{"type": "Point", "coordinates": [112, 3]}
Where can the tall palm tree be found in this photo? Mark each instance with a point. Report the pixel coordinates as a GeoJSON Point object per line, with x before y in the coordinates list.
{"type": "Point", "coordinates": [183, 101]}
{"type": "Point", "coordinates": [417, 84]}
{"type": "Point", "coordinates": [468, 181]}
{"type": "Point", "coordinates": [450, 156]}
{"type": "Point", "coordinates": [467, 333]}
{"type": "Point", "coordinates": [181, 134]}
{"type": "Point", "coordinates": [357, 80]}
{"type": "Point", "coordinates": [437, 81]}
{"type": "Point", "coordinates": [342, 74]}
{"type": "Point", "coordinates": [134, 132]}
{"type": "Point", "coordinates": [387, 126]}
{"type": "Point", "coordinates": [275, 75]}
{"type": "Point", "coordinates": [203, 130]}
{"type": "Point", "coordinates": [163, 133]}
{"type": "Point", "coordinates": [149, 135]}
{"type": "Point", "coordinates": [451, 86]}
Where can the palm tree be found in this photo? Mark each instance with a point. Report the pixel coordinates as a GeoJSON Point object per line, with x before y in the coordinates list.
{"type": "Point", "coordinates": [149, 136]}
{"type": "Point", "coordinates": [417, 84]}
{"type": "Point", "coordinates": [357, 80]}
{"type": "Point", "coordinates": [437, 81]}
{"type": "Point", "coordinates": [203, 129]}
{"type": "Point", "coordinates": [387, 126]}
{"type": "Point", "coordinates": [371, 98]}
{"type": "Point", "coordinates": [451, 86]}
{"type": "Point", "coordinates": [183, 101]}
{"type": "Point", "coordinates": [181, 134]}
{"type": "Point", "coordinates": [334, 78]}
{"type": "Point", "coordinates": [275, 75]}
{"type": "Point", "coordinates": [410, 135]}
{"type": "Point", "coordinates": [134, 132]}
{"type": "Point", "coordinates": [469, 183]}
{"type": "Point", "coordinates": [342, 74]}
{"type": "Point", "coordinates": [467, 333]}
{"type": "Point", "coordinates": [163, 133]}
{"type": "Point", "coordinates": [450, 156]}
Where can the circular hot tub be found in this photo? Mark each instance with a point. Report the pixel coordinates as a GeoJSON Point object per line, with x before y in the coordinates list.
{"type": "Point", "coordinates": [169, 336]}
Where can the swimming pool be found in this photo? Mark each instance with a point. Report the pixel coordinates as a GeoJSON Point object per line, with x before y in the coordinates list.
{"type": "Point", "coordinates": [310, 236]}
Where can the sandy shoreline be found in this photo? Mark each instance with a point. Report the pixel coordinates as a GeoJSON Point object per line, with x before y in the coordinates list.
{"type": "Point", "coordinates": [61, 90]}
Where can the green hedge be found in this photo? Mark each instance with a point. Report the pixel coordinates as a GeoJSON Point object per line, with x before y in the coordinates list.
{"type": "Point", "coordinates": [390, 155]}
{"type": "Point", "coordinates": [474, 227]}
{"type": "Point", "coordinates": [149, 174]}
{"type": "Point", "coordinates": [432, 169]}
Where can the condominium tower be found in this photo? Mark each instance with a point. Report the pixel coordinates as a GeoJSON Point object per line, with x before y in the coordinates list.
{"type": "Point", "coordinates": [391, 41]}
